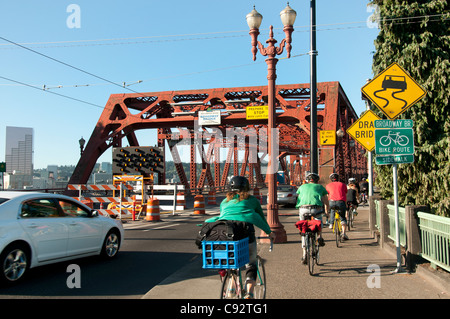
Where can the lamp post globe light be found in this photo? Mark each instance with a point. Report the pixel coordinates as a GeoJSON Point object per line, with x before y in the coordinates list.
{"type": "Point", "coordinates": [81, 141]}
{"type": "Point", "coordinates": [254, 19]}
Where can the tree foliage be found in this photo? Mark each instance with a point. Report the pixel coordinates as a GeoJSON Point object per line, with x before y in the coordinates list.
{"type": "Point", "coordinates": [415, 34]}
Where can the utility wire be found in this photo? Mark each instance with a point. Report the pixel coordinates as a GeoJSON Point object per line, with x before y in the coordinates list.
{"type": "Point", "coordinates": [50, 44]}
{"type": "Point", "coordinates": [66, 64]}
{"type": "Point", "coordinates": [62, 95]}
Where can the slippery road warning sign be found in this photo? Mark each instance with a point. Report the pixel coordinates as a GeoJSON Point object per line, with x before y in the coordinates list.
{"type": "Point", "coordinates": [363, 130]}
{"type": "Point", "coordinates": [393, 91]}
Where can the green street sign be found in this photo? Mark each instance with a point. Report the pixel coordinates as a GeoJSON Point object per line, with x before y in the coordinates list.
{"type": "Point", "coordinates": [395, 159]}
{"type": "Point", "coordinates": [394, 137]}
{"type": "Point", "coordinates": [394, 141]}
{"type": "Point", "coordinates": [388, 124]}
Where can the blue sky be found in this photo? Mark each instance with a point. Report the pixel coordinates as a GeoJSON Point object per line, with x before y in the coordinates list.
{"type": "Point", "coordinates": [168, 45]}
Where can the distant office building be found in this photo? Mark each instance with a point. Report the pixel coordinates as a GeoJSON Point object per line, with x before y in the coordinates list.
{"type": "Point", "coordinates": [105, 167]}
{"type": "Point", "coordinates": [19, 156]}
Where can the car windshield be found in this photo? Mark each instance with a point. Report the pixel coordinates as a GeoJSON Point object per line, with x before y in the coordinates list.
{"type": "Point", "coordinates": [2, 200]}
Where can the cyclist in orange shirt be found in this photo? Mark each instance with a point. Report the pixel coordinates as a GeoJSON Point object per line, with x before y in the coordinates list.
{"type": "Point", "coordinates": [337, 198]}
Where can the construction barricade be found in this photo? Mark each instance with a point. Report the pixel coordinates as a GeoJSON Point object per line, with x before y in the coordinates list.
{"type": "Point", "coordinates": [181, 200]}
{"type": "Point", "coordinates": [212, 198]}
{"type": "Point", "coordinates": [153, 212]}
{"type": "Point", "coordinates": [199, 205]}
{"type": "Point", "coordinates": [174, 201]}
{"type": "Point", "coordinates": [257, 194]}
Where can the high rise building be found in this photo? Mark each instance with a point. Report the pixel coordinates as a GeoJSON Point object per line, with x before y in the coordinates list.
{"type": "Point", "coordinates": [19, 156]}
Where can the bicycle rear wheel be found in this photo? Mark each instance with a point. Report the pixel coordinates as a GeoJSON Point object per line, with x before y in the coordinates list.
{"type": "Point", "coordinates": [310, 252]}
{"type": "Point", "coordinates": [231, 288]}
{"type": "Point", "coordinates": [337, 232]}
{"type": "Point", "coordinates": [350, 219]}
{"type": "Point", "coordinates": [317, 250]}
{"type": "Point", "coordinates": [260, 286]}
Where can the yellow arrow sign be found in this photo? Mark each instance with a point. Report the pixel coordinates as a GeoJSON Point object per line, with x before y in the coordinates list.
{"type": "Point", "coordinates": [393, 91]}
{"type": "Point", "coordinates": [363, 130]}
{"type": "Point", "coordinates": [327, 137]}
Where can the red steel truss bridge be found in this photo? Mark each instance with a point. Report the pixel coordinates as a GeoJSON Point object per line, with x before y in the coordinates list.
{"type": "Point", "coordinates": [174, 114]}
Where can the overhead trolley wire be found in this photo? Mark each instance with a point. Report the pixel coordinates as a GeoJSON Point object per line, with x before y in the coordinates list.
{"type": "Point", "coordinates": [62, 95]}
{"type": "Point", "coordinates": [66, 64]}
{"type": "Point", "coordinates": [215, 35]}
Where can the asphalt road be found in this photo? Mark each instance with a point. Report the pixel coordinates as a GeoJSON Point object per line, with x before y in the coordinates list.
{"type": "Point", "coordinates": [151, 252]}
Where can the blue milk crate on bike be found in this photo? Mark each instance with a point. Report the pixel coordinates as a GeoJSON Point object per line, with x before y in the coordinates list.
{"type": "Point", "coordinates": [225, 254]}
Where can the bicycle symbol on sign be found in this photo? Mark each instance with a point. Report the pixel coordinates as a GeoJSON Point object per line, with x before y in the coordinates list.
{"type": "Point", "coordinates": [395, 137]}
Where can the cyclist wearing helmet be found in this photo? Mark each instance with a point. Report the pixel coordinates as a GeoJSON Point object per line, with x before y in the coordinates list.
{"type": "Point", "coordinates": [338, 198]}
{"type": "Point", "coordinates": [239, 205]}
{"type": "Point", "coordinates": [352, 180]}
{"type": "Point", "coordinates": [312, 198]}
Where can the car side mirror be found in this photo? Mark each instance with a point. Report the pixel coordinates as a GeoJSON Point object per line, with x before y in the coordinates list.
{"type": "Point", "coordinates": [94, 213]}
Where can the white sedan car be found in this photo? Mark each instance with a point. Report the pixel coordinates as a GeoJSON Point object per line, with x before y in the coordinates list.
{"type": "Point", "coordinates": [39, 228]}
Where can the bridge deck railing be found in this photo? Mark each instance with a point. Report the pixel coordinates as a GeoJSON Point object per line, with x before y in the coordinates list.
{"type": "Point", "coordinates": [421, 234]}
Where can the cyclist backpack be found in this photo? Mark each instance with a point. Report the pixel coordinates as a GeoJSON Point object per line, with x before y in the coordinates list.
{"type": "Point", "coordinates": [224, 230]}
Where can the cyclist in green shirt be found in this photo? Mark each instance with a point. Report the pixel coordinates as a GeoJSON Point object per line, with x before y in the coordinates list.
{"type": "Point", "coordinates": [241, 206]}
{"type": "Point", "coordinates": [312, 198]}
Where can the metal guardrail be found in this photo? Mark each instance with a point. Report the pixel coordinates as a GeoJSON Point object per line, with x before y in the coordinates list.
{"type": "Point", "coordinates": [433, 234]}
{"type": "Point", "coordinates": [401, 224]}
{"type": "Point", "coordinates": [435, 239]}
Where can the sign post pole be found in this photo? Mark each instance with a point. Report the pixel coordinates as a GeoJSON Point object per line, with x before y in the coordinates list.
{"type": "Point", "coordinates": [397, 228]}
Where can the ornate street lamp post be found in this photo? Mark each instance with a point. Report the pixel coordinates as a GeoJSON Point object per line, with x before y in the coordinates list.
{"type": "Point", "coordinates": [82, 142]}
{"type": "Point", "coordinates": [254, 20]}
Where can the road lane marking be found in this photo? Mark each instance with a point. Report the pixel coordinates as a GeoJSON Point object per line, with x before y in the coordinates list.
{"type": "Point", "coordinates": [170, 225]}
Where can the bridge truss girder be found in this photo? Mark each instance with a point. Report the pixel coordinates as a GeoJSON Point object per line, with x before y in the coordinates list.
{"type": "Point", "coordinates": [124, 114]}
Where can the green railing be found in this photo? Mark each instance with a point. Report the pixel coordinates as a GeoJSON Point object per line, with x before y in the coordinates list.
{"type": "Point", "coordinates": [435, 239]}
{"type": "Point", "coordinates": [378, 215]}
{"type": "Point", "coordinates": [401, 224]}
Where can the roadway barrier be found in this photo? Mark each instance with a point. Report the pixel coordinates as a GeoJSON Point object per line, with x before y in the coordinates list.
{"type": "Point", "coordinates": [153, 212]}
{"type": "Point", "coordinates": [199, 205]}
{"type": "Point", "coordinates": [181, 200]}
{"type": "Point", "coordinates": [173, 198]}
{"type": "Point", "coordinates": [257, 194]}
{"type": "Point", "coordinates": [212, 198]}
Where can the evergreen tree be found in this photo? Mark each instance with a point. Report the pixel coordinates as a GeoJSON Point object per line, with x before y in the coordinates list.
{"type": "Point", "coordinates": [415, 34]}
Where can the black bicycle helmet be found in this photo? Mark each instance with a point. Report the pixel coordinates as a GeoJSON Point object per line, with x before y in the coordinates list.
{"type": "Point", "coordinates": [334, 177]}
{"type": "Point", "coordinates": [312, 177]}
{"type": "Point", "coordinates": [239, 184]}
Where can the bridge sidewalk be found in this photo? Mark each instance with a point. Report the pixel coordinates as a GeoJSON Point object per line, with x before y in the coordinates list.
{"type": "Point", "coordinates": [359, 269]}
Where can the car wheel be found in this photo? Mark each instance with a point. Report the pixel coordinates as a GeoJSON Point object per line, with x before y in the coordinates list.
{"type": "Point", "coordinates": [111, 244]}
{"type": "Point", "coordinates": [14, 262]}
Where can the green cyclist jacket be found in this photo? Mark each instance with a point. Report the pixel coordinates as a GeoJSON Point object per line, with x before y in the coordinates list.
{"type": "Point", "coordinates": [248, 210]}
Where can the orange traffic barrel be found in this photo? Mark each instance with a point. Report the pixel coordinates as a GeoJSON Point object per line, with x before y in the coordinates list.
{"type": "Point", "coordinates": [199, 205]}
{"type": "Point", "coordinates": [153, 213]}
{"type": "Point", "coordinates": [212, 198]}
{"type": "Point", "coordinates": [257, 194]}
{"type": "Point", "coordinates": [181, 200]}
